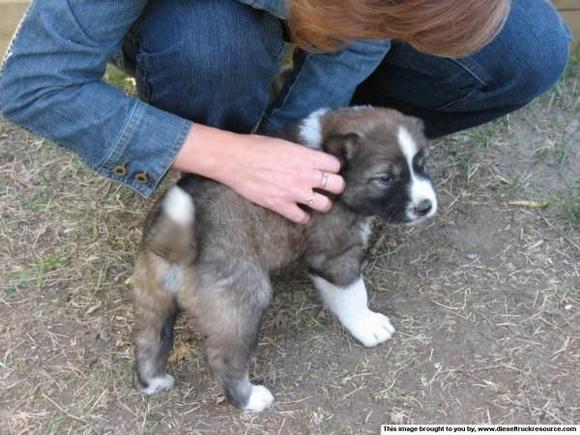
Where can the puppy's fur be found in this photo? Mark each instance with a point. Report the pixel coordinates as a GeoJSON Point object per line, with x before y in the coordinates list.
{"type": "Point", "coordinates": [209, 252]}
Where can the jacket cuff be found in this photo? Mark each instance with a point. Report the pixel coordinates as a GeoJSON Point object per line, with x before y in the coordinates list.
{"type": "Point", "coordinates": [145, 148]}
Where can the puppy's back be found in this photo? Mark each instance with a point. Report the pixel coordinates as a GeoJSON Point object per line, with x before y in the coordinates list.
{"type": "Point", "coordinates": [201, 220]}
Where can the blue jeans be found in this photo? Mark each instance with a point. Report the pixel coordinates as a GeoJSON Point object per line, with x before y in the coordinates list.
{"type": "Point", "coordinates": [219, 76]}
{"type": "Point", "coordinates": [525, 60]}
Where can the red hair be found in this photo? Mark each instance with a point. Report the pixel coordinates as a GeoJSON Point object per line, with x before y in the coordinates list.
{"type": "Point", "coordinates": [450, 28]}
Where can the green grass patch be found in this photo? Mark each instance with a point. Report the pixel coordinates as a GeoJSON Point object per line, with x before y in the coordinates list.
{"type": "Point", "coordinates": [120, 80]}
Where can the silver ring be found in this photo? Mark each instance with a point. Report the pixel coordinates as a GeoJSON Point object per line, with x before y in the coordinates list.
{"type": "Point", "coordinates": [310, 200]}
{"type": "Point", "coordinates": [324, 180]}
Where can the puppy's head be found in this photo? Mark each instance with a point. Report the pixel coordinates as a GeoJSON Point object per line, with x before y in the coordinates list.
{"type": "Point", "coordinates": [383, 155]}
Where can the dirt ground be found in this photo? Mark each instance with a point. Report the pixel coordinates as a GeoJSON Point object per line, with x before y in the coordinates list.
{"type": "Point", "coordinates": [485, 300]}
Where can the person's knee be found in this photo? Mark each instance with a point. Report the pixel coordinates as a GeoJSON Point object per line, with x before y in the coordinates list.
{"type": "Point", "coordinates": [234, 53]}
{"type": "Point", "coordinates": [537, 54]}
{"type": "Point", "coordinates": [200, 59]}
{"type": "Point", "coordinates": [545, 66]}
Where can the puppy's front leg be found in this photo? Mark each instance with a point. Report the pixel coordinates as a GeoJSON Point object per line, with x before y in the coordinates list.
{"type": "Point", "coordinates": [349, 304]}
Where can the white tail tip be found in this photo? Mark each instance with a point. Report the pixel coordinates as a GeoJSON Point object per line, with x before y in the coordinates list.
{"type": "Point", "coordinates": [178, 205]}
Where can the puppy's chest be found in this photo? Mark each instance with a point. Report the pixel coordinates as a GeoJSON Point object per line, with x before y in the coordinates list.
{"type": "Point", "coordinates": [365, 228]}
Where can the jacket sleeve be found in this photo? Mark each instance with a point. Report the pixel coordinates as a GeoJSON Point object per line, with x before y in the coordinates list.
{"type": "Point", "coordinates": [51, 83]}
{"type": "Point", "coordinates": [323, 80]}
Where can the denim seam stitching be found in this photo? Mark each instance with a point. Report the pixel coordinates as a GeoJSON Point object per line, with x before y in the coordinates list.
{"type": "Point", "coordinates": [164, 166]}
{"type": "Point", "coordinates": [280, 54]}
{"type": "Point", "coordinates": [289, 92]}
{"type": "Point", "coordinates": [9, 50]}
{"type": "Point", "coordinates": [80, 27]}
{"type": "Point", "coordinates": [455, 101]}
{"type": "Point", "coordinates": [124, 136]}
{"type": "Point", "coordinates": [470, 72]}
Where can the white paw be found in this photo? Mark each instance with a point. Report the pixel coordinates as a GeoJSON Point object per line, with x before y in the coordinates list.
{"type": "Point", "coordinates": [159, 383]}
{"type": "Point", "coordinates": [371, 328]}
{"type": "Point", "coordinates": [260, 399]}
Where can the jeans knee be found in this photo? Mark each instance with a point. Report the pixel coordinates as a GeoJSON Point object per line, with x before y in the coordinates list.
{"type": "Point", "coordinates": [541, 51]}
{"type": "Point", "coordinates": [215, 59]}
{"type": "Point", "coordinates": [245, 55]}
{"type": "Point", "coordinates": [545, 67]}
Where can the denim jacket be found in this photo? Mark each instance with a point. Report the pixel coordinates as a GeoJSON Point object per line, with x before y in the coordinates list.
{"type": "Point", "coordinates": [51, 83]}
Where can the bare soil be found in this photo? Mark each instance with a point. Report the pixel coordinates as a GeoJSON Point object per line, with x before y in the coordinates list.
{"type": "Point", "coordinates": [485, 300]}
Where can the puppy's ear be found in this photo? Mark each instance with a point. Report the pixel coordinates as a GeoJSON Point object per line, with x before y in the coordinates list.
{"type": "Point", "coordinates": [342, 146]}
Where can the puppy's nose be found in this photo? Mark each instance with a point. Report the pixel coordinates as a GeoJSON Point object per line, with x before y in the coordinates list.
{"type": "Point", "coordinates": [423, 207]}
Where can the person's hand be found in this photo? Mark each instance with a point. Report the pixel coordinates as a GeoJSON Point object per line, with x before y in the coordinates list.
{"type": "Point", "coordinates": [273, 173]}
{"type": "Point", "coordinates": [279, 175]}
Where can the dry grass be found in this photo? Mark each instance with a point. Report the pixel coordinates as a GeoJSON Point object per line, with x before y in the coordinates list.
{"type": "Point", "coordinates": [485, 300]}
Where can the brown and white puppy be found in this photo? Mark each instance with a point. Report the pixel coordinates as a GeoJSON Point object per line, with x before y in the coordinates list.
{"type": "Point", "coordinates": [209, 252]}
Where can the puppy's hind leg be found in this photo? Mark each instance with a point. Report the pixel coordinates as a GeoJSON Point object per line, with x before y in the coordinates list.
{"type": "Point", "coordinates": [349, 304]}
{"type": "Point", "coordinates": [230, 321]}
{"type": "Point", "coordinates": [155, 311]}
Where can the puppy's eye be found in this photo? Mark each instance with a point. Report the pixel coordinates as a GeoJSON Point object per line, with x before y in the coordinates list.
{"type": "Point", "coordinates": [385, 179]}
{"type": "Point", "coordinates": [421, 164]}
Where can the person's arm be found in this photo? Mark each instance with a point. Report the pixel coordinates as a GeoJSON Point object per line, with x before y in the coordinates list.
{"type": "Point", "coordinates": [323, 80]}
{"type": "Point", "coordinates": [271, 172]}
{"type": "Point", "coordinates": [51, 83]}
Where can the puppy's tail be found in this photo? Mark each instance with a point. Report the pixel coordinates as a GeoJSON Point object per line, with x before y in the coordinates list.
{"type": "Point", "coordinates": [178, 206]}
{"type": "Point", "coordinates": [170, 233]}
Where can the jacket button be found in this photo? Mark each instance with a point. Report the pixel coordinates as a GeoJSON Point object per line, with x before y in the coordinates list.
{"type": "Point", "coordinates": [142, 177]}
{"type": "Point", "coordinates": [120, 170]}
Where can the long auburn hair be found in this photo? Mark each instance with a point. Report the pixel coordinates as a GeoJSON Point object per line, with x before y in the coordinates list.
{"type": "Point", "coordinates": [450, 28]}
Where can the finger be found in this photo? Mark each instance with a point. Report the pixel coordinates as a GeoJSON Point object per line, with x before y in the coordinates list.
{"type": "Point", "coordinates": [296, 215]}
{"type": "Point", "coordinates": [286, 208]}
{"type": "Point", "coordinates": [326, 181]}
{"type": "Point", "coordinates": [317, 202]}
{"type": "Point", "coordinates": [326, 162]}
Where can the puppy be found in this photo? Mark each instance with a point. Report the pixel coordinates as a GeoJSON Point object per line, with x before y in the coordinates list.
{"type": "Point", "coordinates": [209, 252]}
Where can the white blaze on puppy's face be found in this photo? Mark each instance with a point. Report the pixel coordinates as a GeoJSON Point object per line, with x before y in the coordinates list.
{"type": "Point", "coordinates": [420, 188]}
